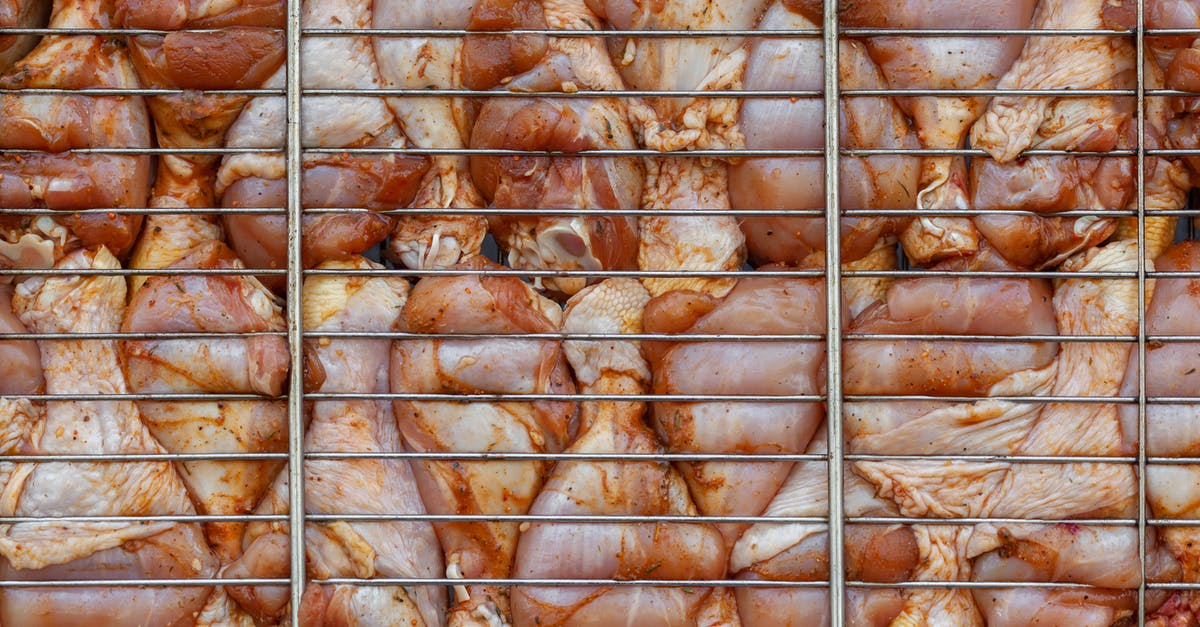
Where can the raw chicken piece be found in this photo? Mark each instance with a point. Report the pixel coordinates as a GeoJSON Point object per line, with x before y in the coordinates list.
{"type": "Point", "coordinates": [941, 122]}
{"type": "Point", "coordinates": [167, 237]}
{"type": "Point", "coordinates": [432, 241]}
{"type": "Point", "coordinates": [22, 370]}
{"type": "Point", "coordinates": [353, 185]}
{"type": "Point", "coordinates": [1106, 557]}
{"type": "Point", "coordinates": [799, 552]}
{"type": "Point", "coordinates": [256, 364]}
{"type": "Point", "coordinates": [594, 488]}
{"type": "Point", "coordinates": [1018, 490]}
{"type": "Point", "coordinates": [756, 306]}
{"type": "Point", "coordinates": [883, 182]}
{"type": "Point", "coordinates": [20, 14]}
{"type": "Point", "coordinates": [556, 64]}
{"type": "Point", "coordinates": [681, 183]}
{"type": "Point", "coordinates": [1014, 123]}
{"type": "Point", "coordinates": [364, 549]}
{"type": "Point", "coordinates": [222, 611]}
{"type": "Point", "coordinates": [243, 48]}
{"type": "Point", "coordinates": [1092, 123]}
{"type": "Point", "coordinates": [85, 550]}
{"type": "Point", "coordinates": [1171, 429]}
{"type": "Point", "coordinates": [1179, 58]}
{"type": "Point", "coordinates": [54, 124]}
{"type": "Point", "coordinates": [475, 303]}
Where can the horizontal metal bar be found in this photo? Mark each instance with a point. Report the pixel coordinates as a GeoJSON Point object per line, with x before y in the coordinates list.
{"type": "Point", "coordinates": [598, 457]}
{"type": "Point", "coordinates": [48, 272]}
{"type": "Point", "coordinates": [171, 335]}
{"type": "Point", "coordinates": [116, 150]}
{"type": "Point", "coordinates": [602, 274]}
{"type": "Point", "coordinates": [595, 153]}
{"type": "Point", "coordinates": [597, 93]}
{"type": "Point", "coordinates": [640, 33]}
{"type": "Point", "coordinates": [990, 459]}
{"type": "Point", "coordinates": [580, 397]}
{"type": "Point", "coordinates": [697, 212]}
{"type": "Point", "coordinates": [153, 211]}
{"type": "Point", "coordinates": [139, 583]}
{"type": "Point", "coordinates": [687, 584]}
{"type": "Point", "coordinates": [136, 91]}
{"type": "Point", "coordinates": [618, 337]}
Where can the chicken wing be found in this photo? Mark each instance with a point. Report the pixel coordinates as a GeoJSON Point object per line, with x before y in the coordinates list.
{"type": "Point", "coordinates": [349, 548]}
{"type": "Point", "coordinates": [554, 64]}
{"type": "Point", "coordinates": [51, 550]}
{"type": "Point", "coordinates": [884, 182]}
{"type": "Point", "coordinates": [432, 241]}
{"type": "Point", "coordinates": [476, 303]}
{"type": "Point", "coordinates": [55, 178]}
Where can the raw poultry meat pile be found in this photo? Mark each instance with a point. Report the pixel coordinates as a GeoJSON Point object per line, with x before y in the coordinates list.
{"type": "Point", "coordinates": [465, 255]}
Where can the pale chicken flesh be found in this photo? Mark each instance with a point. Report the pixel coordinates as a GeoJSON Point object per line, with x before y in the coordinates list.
{"type": "Point", "coordinates": [941, 122]}
{"type": "Point", "coordinates": [20, 14]}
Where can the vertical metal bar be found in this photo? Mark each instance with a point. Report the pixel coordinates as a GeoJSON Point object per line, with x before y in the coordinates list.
{"type": "Point", "coordinates": [833, 322]}
{"type": "Point", "coordinates": [1141, 296]}
{"type": "Point", "coordinates": [295, 332]}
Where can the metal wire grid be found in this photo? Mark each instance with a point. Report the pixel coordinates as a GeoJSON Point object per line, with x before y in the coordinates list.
{"type": "Point", "coordinates": [835, 335]}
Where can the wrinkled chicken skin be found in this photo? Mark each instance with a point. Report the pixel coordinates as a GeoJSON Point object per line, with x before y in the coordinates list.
{"type": "Point", "coordinates": [1095, 123]}
{"type": "Point", "coordinates": [556, 64]}
{"type": "Point", "coordinates": [243, 49]}
{"type": "Point", "coordinates": [432, 241]}
{"type": "Point", "coordinates": [121, 550]}
{"type": "Point", "coordinates": [480, 304]}
{"type": "Point", "coordinates": [884, 182]}
{"type": "Point", "coordinates": [754, 306]}
{"type": "Point", "coordinates": [940, 122]}
{"type": "Point", "coordinates": [1018, 490]}
{"type": "Point", "coordinates": [366, 549]}
{"type": "Point", "coordinates": [257, 365]}
{"type": "Point", "coordinates": [355, 186]}
{"type": "Point", "coordinates": [20, 14]}
{"type": "Point", "coordinates": [593, 488]}
{"type": "Point", "coordinates": [54, 124]}
{"type": "Point", "coordinates": [680, 243]}
{"type": "Point", "coordinates": [799, 552]}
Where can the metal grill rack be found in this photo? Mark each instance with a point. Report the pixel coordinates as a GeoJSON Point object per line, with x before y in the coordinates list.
{"type": "Point", "coordinates": [835, 334]}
